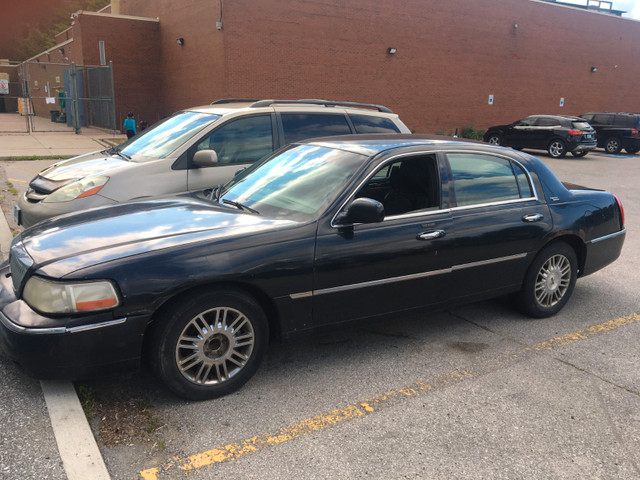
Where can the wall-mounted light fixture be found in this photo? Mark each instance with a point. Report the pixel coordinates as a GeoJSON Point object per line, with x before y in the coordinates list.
{"type": "Point", "coordinates": [391, 50]}
{"type": "Point", "coordinates": [180, 41]}
{"type": "Point", "coordinates": [515, 26]}
{"type": "Point", "coordinates": [594, 69]}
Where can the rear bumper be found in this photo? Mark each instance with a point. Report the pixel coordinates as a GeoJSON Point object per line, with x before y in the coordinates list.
{"type": "Point", "coordinates": [583, 147]}
{"type": "Point", "coordinates": [603, 251]}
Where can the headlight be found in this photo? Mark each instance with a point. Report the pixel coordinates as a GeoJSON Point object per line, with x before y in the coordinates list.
{"type": "Point", "coordinates": [57, 297]}
{"type": "Point", "coordinates": [84, 187]}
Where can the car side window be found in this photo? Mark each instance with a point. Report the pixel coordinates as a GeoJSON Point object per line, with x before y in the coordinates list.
{"type": "Point", "coordinates": [300, 126]}
{"type": "Point", "coordinates": [480, 179]}
{"type": "Point", "coordinates": [602, 119]}
{"type": "Point", "coordinates": [407, 185]}
{"type": "Point", "coordinates": [547, 122]}
{"type": "Point", "coordinates": [240, 141]}
{"type": "Point", "coordinates": [371, 124]}
{"type": "Point", "coordinates": [527, 122]}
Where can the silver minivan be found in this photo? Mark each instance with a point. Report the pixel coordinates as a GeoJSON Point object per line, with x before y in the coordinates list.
{"type": "Point", "coordinates": [192, 150]}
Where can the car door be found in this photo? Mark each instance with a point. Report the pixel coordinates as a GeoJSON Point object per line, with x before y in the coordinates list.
{"type": "Point", "coordinates": [519, 133]}
{"type": "Point", "coordinates": [238, 143]}
{"type": "Point", "coordinates": [401, 263]}
{"type": "Point", "coordinates": [498, 220]}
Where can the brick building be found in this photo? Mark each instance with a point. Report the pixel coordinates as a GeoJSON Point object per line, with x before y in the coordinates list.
{"type": "Point", "coordinates": [450, 57]}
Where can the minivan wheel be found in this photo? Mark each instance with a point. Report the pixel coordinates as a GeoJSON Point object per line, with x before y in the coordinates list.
{"type": "Point", "coordinates": [210, 344]}
{"type": "Point", "coordinates": [557, 148]}
{"type": "Point", "coordinates": [613, 145]}
{"type": "Point", "coordinates": [494, 139]}
{"type": "Point", "coordinates": [549, 281]}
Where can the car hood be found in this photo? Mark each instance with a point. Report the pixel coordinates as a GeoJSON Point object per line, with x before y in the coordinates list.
{"type": "Point", "coordinates": [64, 244]}
{"type": "Point", "coordinates": [95, 163]}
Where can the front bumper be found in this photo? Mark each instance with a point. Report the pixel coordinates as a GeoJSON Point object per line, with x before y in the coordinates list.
{"type": "Point", "coordinates": [76, 347]}
{"type": "Point", "coordinates": [29, 213]}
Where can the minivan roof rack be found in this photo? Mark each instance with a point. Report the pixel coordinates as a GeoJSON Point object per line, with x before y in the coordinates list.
{"type": "Point", "coordinates": [234, 100]}
{"type": "Point", "coordinates": [326, 103]}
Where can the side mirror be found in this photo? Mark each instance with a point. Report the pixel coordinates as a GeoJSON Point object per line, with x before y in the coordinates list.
{"type": "Point", "coordinates": [205, 158]}
{"type": "Point", "coordinates": [362, 210]}
{"type": "Point", "coordinates": [240, 170]}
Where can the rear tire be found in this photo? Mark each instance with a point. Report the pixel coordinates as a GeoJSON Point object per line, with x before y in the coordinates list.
{"type": "Point", "coordinates": [209, 344]}
{"type": "Point", "coordinates": [549, 281]}
{"type": "Point", "coordinates": [613, 145]}
{"type": "Point", "coordinates": [557, 148]}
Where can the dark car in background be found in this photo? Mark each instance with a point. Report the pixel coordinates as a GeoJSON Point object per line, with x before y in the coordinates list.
{"type": "Point", "coordinates": [322, 232]}
{"type": "Point", "coordinates": [556, 134]}
{"type": "Point", "coordinates": [616, 130]}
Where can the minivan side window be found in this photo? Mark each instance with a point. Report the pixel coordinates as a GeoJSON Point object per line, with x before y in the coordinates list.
{"type": "Point", "coordinates": [480, 179]}
{"type": "Point", "coordinates": [300, 126]}
{"type": "Point", "coordinates": [241, 141]}
{"type": "Point", "coordinates": [371, 124]}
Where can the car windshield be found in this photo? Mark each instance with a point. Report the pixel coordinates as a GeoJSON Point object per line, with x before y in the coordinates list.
{"type": "Point", "coordinates": [296, 183]}
{"type": "Point", "coordinates": [166, 136]}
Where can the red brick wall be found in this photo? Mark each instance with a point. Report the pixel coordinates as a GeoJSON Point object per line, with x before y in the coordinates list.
{"type": "Point", "coordinates": [133, 46]}
{"type": "Point", "coordinates": [451, 55]}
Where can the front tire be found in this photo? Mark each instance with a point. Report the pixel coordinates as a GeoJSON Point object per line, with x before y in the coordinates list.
{"type": "Point", "coordinates": [494, 139]}
{"type": "Point", "coordinates": [557, 148]}
{"type": "Point", "coordinates": [549, 281]}
{"type": "Point", "coordinates": [210, 344]}
{"type": "Point", "coordinates": [613, 145]}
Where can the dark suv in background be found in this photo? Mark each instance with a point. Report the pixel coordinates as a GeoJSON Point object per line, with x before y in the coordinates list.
{"type": "Point", "coordinates": [557, 134]}
{"type": "Point", "coordinates": [616, 131]}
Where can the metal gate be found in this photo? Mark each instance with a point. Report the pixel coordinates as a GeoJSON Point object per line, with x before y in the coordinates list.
{"type": "Point", "coordinates": [59, 97]}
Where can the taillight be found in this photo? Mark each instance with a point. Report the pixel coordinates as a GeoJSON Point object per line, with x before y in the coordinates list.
{"type": "Point", "coordinates": [634, 133]}
{"type": "Point", "coordinates": [575, 133]}
{"type": "Point", "coordinates": [621, 211]}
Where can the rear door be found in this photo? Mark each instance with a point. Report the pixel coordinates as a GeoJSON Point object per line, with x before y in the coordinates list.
{"type": "Point", "coordinates": [498, 219]}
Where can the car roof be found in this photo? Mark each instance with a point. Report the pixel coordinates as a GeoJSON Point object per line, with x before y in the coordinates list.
{"type": "Point", "coordinates": [558, 117]}
{"type": "Point", "coordinates": [225, 106]}
{"type": "Point", "coordinates": [373, 144]}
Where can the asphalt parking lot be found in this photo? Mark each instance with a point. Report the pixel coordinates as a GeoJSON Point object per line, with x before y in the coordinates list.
{"type": "Point", "coordinates": [473, 392]}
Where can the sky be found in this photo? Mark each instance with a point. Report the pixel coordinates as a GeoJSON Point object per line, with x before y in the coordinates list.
{"type": "Point", "coordinates": [632, 7]}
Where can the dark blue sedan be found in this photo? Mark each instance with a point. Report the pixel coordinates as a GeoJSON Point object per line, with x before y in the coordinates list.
{"type": "Point", "coordinates": [322, 232]}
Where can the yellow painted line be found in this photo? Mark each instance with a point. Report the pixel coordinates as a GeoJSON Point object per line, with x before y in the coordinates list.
{"type": "Point", "coordinates": [17, 180]}
{"type": "Point", "coordinates": [233, 451]}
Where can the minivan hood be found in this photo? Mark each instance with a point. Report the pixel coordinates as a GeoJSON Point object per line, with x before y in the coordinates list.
{"type": "Point", "coordinates": [95, 163]}
{"type": "Point", "coordinates": [77, 240]}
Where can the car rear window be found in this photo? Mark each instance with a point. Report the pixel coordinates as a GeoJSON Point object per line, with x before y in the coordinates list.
{"type": "Point", "coordinates": [300, 126]}
{"type": "Point", "coordinates": [370, 124]}
{"type": "Point", "coordinates": [581, 125]}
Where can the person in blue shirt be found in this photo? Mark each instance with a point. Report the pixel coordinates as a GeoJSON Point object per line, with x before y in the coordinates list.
{"type": "Point", "coordinates": [130, 125]}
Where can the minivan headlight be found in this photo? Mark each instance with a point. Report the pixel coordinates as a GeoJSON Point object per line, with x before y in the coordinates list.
{"type": "Point", "coordinates": [84, 187]}
{"type": "Point", "coordinates": [69, 297]}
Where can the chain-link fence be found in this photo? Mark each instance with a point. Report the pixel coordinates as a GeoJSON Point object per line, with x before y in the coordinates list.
{"type": "Point", "coordinates": [69, 96]}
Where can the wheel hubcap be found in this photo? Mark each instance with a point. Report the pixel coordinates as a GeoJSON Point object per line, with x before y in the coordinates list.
{"type": "Point", "coordinates": [494, 141]}
{"type": "Point", "coordinates": [553, 280]}
{"type": "Point", "coordinates": [214, 346]}
{"type": "Point", "coordinates": [556, 149]}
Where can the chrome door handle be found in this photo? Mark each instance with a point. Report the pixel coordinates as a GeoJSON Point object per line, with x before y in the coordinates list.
{"type": "Point", "coordinates": [431, 235]}
{"type": "Point", "coordinates": [533, 217]}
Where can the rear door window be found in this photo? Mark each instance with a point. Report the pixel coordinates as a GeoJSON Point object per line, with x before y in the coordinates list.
{"type": "Point", "coordinates": [371, 124]}
{"type": "Point", "coordinates": [602, 119]}
{"type": "Point", "coordinates": [300, 126]}
{"type": "Point", "coordinates": [481, 179]}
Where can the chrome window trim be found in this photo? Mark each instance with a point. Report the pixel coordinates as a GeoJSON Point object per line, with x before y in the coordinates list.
{"type": "Point", "coordinates": [446, 210]}
{"type": "Point", "coordinates": [607, 237]}
{"type": "Point", "coordinates": [56, 330]}
{"type": "Point", "coordinates": [384, 281]}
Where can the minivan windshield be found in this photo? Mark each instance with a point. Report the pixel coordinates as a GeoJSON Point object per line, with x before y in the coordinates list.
{"type": "Point", "coordinates": [297, 183]}
{"type": "Point", "coordinates": [166, 136]}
